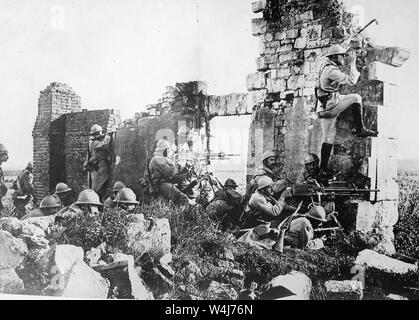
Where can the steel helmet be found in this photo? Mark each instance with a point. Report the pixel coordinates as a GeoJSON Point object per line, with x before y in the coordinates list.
{"type": "Point", "coordinates": [3, 149]}
{"type": "Point", "coordinates": [317, 213]}
{"type": "Point", "coordinates": [29, 166]}
{"type": "Point", "coordinates": [126, 195]}
{"type": "Point", "coordinates": [230, 183]}
{"type": "Point", "coordinates": [118, 186]}
{"type": "Point", "coordinates": [310, 158]}
{"type": "Point", "coordinates": [49, 202]}
{"type": "Point", "coordinates": [88, 196]}
{"type": "Point", "coordinates": [335, 49]}
{"type": "Point", "coordinates": [62, 187]}
{"type": "Point", "coordinates": [162, 145]}
{"type": "Point", "coordinates": [264, 182]}
{"type": "Point", "coordinates": [268, 154]}
{"type": "Point", "coordinates": [95, 129]}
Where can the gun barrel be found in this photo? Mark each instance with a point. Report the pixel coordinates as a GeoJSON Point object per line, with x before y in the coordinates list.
{"type": "Point", "coordinates": [342, 190]}
{"type": "Point", "coordinates": [327, 229]}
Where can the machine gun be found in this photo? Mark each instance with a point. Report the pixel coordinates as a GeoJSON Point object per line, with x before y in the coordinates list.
{"type": "Point", "coordinates": [204, 156]}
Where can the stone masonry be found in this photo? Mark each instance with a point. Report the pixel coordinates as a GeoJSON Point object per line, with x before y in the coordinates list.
{"type": "Point", "coordinates": [294, 36]}
{"type": "Point", "coordinates": [60, 138]}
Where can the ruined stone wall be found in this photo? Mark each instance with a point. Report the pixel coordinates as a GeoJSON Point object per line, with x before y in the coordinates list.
{"type": "Point", "coordinates": [62, 129]}
{"type": "Point", "coordinates": [294, 37]}
{"type": "Point", "coordinates": [60, 138]}
{"type": "Point", "coordinates": [48, 133]}
{"type": "Point", "coordinates": [76, 142]}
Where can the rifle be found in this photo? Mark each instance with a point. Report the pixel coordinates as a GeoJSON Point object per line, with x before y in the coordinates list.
{"type": "Point", "coordinates": [229, 197]}
{"type": "Point", "coordinates": [279, 245]}
{"type": "Point", "coordinates": [327, 229]}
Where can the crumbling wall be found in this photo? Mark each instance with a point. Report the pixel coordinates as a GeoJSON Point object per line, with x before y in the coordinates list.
{"type": "Point", "coordinates": [294, 36]}
{"type": "Point", "coordinates": [60, 138]}
{"type": "Point", "coordinates": [76, 142]}
{"type": "Point", "coordinates": [48, 133]}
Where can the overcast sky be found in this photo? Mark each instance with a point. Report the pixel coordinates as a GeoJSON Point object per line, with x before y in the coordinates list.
{"type": "Point", "coordinates": [122, 54]}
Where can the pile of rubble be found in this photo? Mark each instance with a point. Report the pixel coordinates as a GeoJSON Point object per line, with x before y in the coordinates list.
{"type": "Point", "coordinates": [30, 263]}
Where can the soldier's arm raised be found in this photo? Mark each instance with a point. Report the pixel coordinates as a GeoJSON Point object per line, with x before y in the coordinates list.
{"type": "Point", "coordinates": [338, 76]}
{"type": "Point", "coordinates": [267, 208]}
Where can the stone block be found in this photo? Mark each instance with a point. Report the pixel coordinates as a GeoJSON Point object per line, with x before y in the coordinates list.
{"type": "Point", "coordinates": [295, 82]}
{"type": "Point", "coordinates": [344, 290]}
{"type": "Point", "coordinates": [393, 56]}
{"type": "Point", "coordinates": [285, 48]}
{"type": "Point", "coordinates": [284, 72]}
{"type": "Point", "coordinates": [84, 283]}
{"type": "Point", "coordinates": [255, 81]}
{"type": "Point", "coordinates": [292, 33]}
{"type": "Point", "coordinates": [12, 250]}
{"type": "Point", "coordinates": [276, 86]}
{"type": "Point", "coordinates": [258, 6]}
{"type": "Point", "coordinates": [10, 283]}
{"type": "Point", "coordinates": [315, 32]}
{"type": "Point", "coordinates": [386, 213]}
{"type": "Point", "coordinates": [371, 259]}
{"type": "Point", "coordinates": [358, 215]}
{"type": "Point", "coordinates": [300, 43]}
{"type": "Point", "coordinates": [261, 65]}
{"type": "Point", "coordinates": [66, 256]}
{"type": "Point", "coordinates": [296, 282]}
{"type": "Point", "coordinates": [255, 98]}
{"type": "Point", "coordinates": [280, 35]}
{"type": "Point", "coordinates": [258, 26]}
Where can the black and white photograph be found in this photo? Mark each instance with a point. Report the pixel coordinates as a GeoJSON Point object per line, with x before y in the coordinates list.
{"type": "Point", "coordinates": [209, 154]}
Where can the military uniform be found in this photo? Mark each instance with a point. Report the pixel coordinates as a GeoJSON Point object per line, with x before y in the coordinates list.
{"type": "Point", "coordinates": [260, 208]}
{"type": "Point", "coordinates": [254, 182]}
{"type": "Point", "coordinates": [301, 235]}
{"type": "Point", "coordinates": [330, 80]}
{"type": "Point", "coordinates": [24, 192]}
{"type": "Point", "coordinates": [3, 188]}
{"type": "Point", "coordinates": [225, 208]}
{"type": "Point", "coordinates": [162, 171]}
{"type": "Point", "coordinates": [99, 157]}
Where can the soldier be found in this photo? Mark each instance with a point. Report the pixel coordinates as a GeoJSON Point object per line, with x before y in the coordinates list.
{"type": "Point", "coordinates": [109, 203]}
{"type": "Point", "coordinates": [50, 205]}
{"type": "Point", "coordinates": [163, 175]}
{"type": "Point", "coordinates": [311, 163]}
{"type": "Point", "coordinates": [98, 163]}
{"type": "Point", "coordinates": [263, 206]}
{"type": "Point", "coordinates": [24, 190]}
{"type": "Point", "coordinates": [226, 205]}
{"type": "Point", "coordinates": [301, 232]}
{"type": "Point", "coordinates": [64, 194]}
{"type": "Point", "coordinates": [269, 161]}
{"type": "Point", "coordinates": [4, 156]}
{"type": "Point", "coordinates": [88, 202]}
{"type": "Point", "coordinates": [333, 103]}
{"type": "Point", "coordinates": [126, 200]}
{"type": "Point", "coordinates": [300, 235]}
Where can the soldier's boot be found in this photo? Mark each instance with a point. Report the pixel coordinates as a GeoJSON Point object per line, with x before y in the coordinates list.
{"type": "Point", "coordinates": [361, 131]}
{"type": "Point", "coordinates": [324, 161]}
